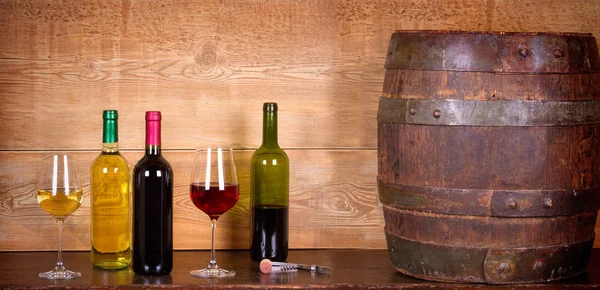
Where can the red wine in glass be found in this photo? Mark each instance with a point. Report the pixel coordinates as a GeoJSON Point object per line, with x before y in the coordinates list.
{"type": "Point", "coordinates": [212, 200]}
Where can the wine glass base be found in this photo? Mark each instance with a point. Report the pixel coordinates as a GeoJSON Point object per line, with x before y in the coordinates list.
{"type": "Point", "coordinates": [59, 274]}
{"type": "Point", "coordinates": [213, 273]}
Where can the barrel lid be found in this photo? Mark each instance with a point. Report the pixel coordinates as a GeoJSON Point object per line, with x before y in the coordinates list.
{"type": "Point", "coordinates": [495, 52]}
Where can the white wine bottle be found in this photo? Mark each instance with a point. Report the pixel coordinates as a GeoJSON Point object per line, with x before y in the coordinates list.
{"type": "Point", "coordinates": [109, 178]}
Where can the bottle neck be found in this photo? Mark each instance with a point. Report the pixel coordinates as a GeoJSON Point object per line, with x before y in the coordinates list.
{"type": "Point", "coordinates": [152, 149]}
{"type": "Point", "coordinates": [110, 137]}
{"type": "Point", "coordinates": [110, 147]}
{"type": "Point", "coordinates": [152, 137]}
{"type": "Point", "coordinates": [269, 137]}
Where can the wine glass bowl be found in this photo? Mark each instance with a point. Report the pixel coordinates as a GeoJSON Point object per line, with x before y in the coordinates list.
{"type": "Point", "coordinates": [60, 204]}
{"type": "Point", "coordinates": [214, 189]}
{"type": "Point", "coordinates": [59, 194]}
{"type": "Point", "coordinates": [212, 200]}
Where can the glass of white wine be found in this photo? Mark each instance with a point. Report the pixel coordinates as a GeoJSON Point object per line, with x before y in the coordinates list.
{"type": "Point", "coordinates": [59, 194]}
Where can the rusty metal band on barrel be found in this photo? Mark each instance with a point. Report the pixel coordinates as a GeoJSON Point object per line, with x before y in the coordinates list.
{"type": "Point", "coordinates": [451, 112]}
{"type": "Point", "coordinates": [487, 202]}
{"type": "Point", "coordinates": [488, 265]}
{"type": "Point", "coordinates": [524, 53]}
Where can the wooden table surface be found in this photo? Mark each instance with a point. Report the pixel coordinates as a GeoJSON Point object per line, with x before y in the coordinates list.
{"type": "Point", "coordinates": [356, 269]}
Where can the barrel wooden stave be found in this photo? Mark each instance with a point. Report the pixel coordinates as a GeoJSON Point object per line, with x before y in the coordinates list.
{"type": "Point", "coordinates": [563, 157]}
{"type": "Point", "coordinates": [422, 84]}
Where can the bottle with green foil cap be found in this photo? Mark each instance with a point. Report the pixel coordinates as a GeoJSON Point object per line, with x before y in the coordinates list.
{"type": "Point", "coordinates": [110, 208]}
{"type": "Point", "coordinates": [269, 201]}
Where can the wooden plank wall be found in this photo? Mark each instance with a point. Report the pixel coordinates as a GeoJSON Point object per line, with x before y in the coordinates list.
{"type": "Point", "coordinates": [209, 66]}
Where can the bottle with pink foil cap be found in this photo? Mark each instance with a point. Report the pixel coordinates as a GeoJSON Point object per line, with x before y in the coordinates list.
{"type": "Point", "coordinates": [153, 119]}
{"type": "Point", "coordinates": [152, 206]}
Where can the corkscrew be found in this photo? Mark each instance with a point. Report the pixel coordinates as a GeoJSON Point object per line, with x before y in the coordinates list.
{"type": "Point", "coordinates": [266, 266]}
{"type": "Point", "coordinates": [311, 268]}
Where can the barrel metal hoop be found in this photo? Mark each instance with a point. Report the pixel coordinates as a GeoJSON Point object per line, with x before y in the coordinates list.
{"type": "Point", "coordinates": [486, 202]}
{"type": "Point", "coordinates": [451, 112]}
{"type": "Point", "coordinates": [536, 264]}
{"type": "Point", "coordinates": [436, 262]}
{"type": "Point", "coordinates": [527, 53]}
{"type": "Point", "coordinates": [484, 265]}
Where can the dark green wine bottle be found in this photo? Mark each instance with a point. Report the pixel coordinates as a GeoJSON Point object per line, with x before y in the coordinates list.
{"type": "Point", "coordinates": [269, 201]}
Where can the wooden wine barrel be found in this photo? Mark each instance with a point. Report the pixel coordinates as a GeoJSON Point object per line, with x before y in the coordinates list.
{"type": "Point", "coordinates": [489, 154]}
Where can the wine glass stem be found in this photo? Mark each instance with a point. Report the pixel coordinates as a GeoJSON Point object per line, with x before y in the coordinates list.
{"type": "Point", "coordinates": [59, 262]}
{"type": "Point", "coordinates": [213, 260]}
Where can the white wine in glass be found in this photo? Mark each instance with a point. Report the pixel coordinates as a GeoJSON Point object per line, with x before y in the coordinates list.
{"type": "Point", "coordinates": [59, 194]}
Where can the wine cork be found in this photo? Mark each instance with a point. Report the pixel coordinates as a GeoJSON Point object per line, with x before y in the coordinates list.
{"type": "Point", "coordinates": [266, 266]}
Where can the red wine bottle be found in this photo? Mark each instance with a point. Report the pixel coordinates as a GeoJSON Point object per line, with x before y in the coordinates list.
{"type": "Point", "coordinates": [269, 201]}
{"type": "Point", "coordinates": [152, 206]}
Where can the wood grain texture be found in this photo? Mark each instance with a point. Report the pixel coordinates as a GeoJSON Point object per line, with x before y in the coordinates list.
{"type": "Point", "coordinates": [322, 60]}
{"type": "Point", "coordinates": [333, 203]}
{"type": "Point", "coordinates": [197, 110]}
{"type": "Point", "coordinates": [208, 66]}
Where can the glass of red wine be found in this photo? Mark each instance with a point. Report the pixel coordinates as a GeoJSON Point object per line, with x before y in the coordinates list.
{"type": "Point", "coordinates": [214, 190]}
